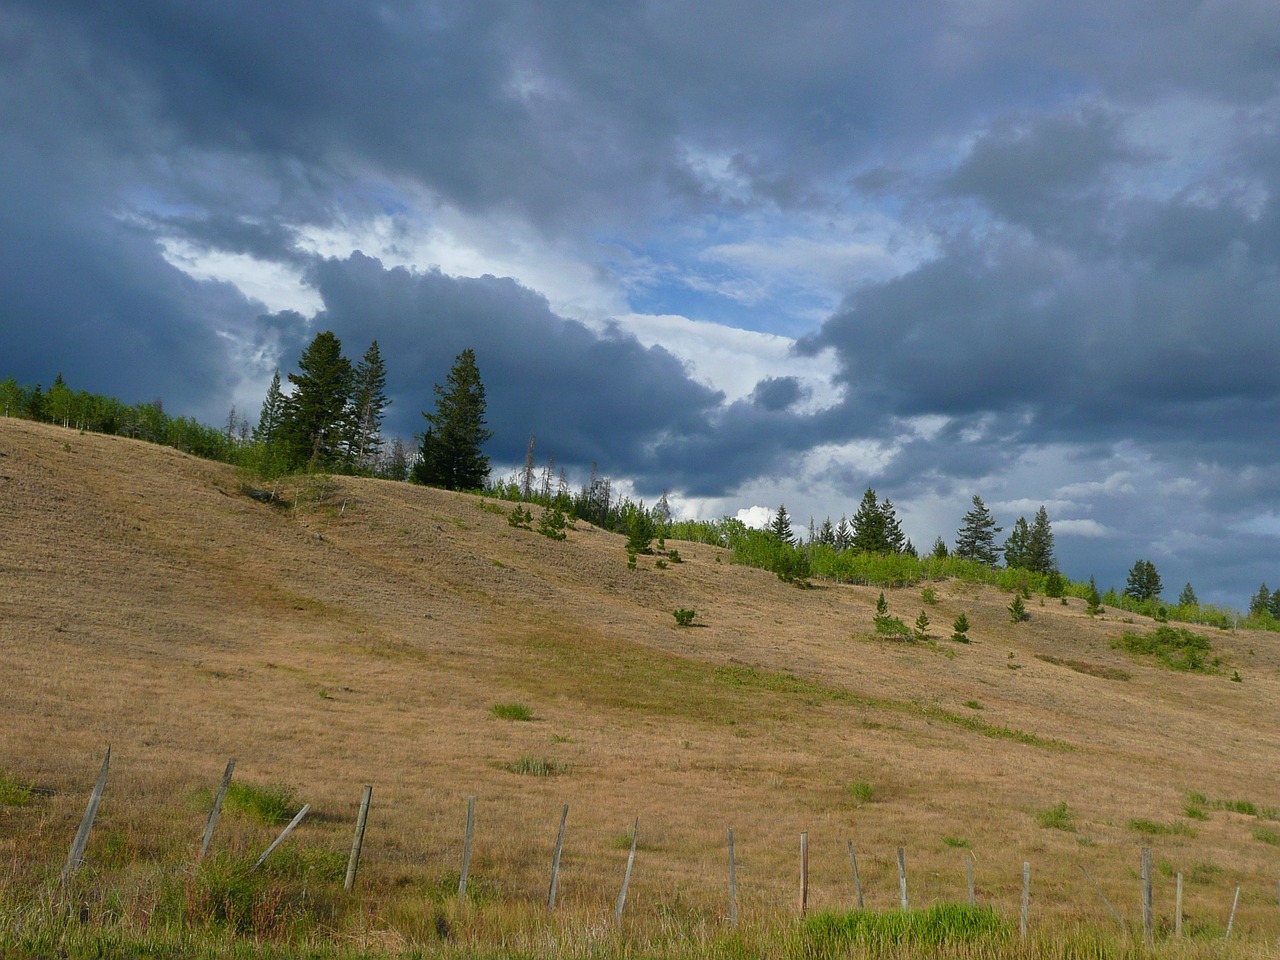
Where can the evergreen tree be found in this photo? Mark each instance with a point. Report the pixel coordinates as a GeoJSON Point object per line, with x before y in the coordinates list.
{"type": "Point", "coordinates": [1015, 548]}
{"type": "Point", "coordinates": [1018, 610]}
{"type": "Point", "coordinates": [780, 526]}
{"type": "Point", "coordinates": [450, 455]}
{"type": "Point", "coordinates": [1260, 602]}
{"type": "Point", "coordinates": [894, 538]}
{"type": "Point", "coordinates": [368, 401]}
{"type": "Point", "coordinates": [1187, 598]}
{"type": "Point", "coordinates": [1054, 585]}
{"type": "Point", "coordinates": [960, 629]}
{"type": "Point", "coordinates": [1092, 599]}
{"type": "Point", "coordinates": [844, 536]}
{"type": "Point", "coordinates": [272, 414]}
{"type": "Point", "coordinates": [827, 533]}
{"type": "Point", "coordinates": [870, 526]}
{"type": "Point", "coordinates": [526, 473]}
{"type": "Point", "coordinates": [1144, 582]}
{"type": "Point", "coordinates": [311, 427]}
{"type": "Point", "coordinates": [940, 551]}
{"type": "Point", "coordinates": [1039, 557]}
{"type": "Point", "coordinates": [976, 538]}
{"type": "Point", "coordinates": [922, 626]}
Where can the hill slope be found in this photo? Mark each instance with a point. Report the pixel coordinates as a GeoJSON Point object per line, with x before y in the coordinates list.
{"type": "Point", "coordinates": [361, 631]}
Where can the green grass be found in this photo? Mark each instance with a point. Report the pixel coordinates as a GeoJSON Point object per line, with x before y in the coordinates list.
{"type": "Point", "coordinates": [13, 792]}
{"type": "Point", "coordinates": [1175, 648]}
{"type": "Point", "coordinates": [861, 792]}
{"type": "Point", "coordinates": [512, 711]}
{"type": "Point", "coordinates": [859, 931]}
{"type": "Point", "coordinates": [266, 804]}
{"type": "Point", "coordinates": [532, 766]}
{"type": "Point", "coordinates": [1267, 835]}
{"type": "Point", "coordinates": [1175, 828]}
{"type": "Point", "coordinates": [1057, 817]}
{"type": "Point", "coordinates": [973, 705]}
{"type": "Point", "coordinates": [956, 843]}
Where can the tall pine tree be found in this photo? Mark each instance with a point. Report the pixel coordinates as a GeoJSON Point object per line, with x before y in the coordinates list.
{"type": "Point", "coordinates": [870, 526]}
{"type": "Point", "coordinates": [368, 401]}
{"type": "Point", "coordinates": [976, 538]}
{"type": "Point", "coordinates": [451, 455]}
{"type": "Point", "coordinates": [1015, 548]}
{"type": "Point", "coordinates": [313, 417]}
{"type": "Point", "coordinates": [1039, 556]}
{"type": "Point", "coordinates": [780, 526]}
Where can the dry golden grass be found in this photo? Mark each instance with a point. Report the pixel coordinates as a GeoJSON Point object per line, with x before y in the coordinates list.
{"type": "Point", "coordinates": [363, 632]}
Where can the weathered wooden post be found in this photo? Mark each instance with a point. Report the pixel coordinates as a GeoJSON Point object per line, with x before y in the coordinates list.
{"type": "Point", "coordinates": [1231, 921]}
{"type": "Point", "coordinates": [555, 860]}
{"type": "Point", "coordinates": [1026, 899]}
{"type": "Point", "coordinates": [1177, 909]}
{"type": "Point", "coordinates": [354, 862]}
{"type": "Point", "coordinates": [207, 838]}
{"type": "Point", "coordinates": [466, 848]}
{"type": "Point", "coordinates": [280, 839]}
{"type": "Point", "coordinates": [75, 857]}
{"type": "Point", "coordinates": [804, 872]}
{"type": "Point", "coordinates": [733, 883]}
{"type": "Point", "coordinates": [902, 876]}
{"type": "Point", "coordinates": [1148, 918]}
{"type": "Point", "coordinates": [857, 881]}
{"type": "Point", "coordinates": [626, 878]}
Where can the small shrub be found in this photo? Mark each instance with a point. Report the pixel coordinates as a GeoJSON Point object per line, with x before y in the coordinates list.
{"type": "Point", "coordinates": [1175, 648]}
{"type": "Point", "coordinates": [1142, 825]}
{"type": "Point", "coordinates": [684, 617]}
{"type": "Point", "coordinates": [956, 843]}
{"type": "Point", "coordinates": [927, 595]}
{"type": "Point", "coordinates": [674, 556]}
{"type": "Point", "coordinates": [1235, 677]}
{"type": "Point", "coordinates": [532, 766]}
{"type": "Point", "coordinates": [1247, 807]}
{"type": "Point", "coordinates": [512, 711]}
{"type": "Point", "coordinates": [660, 564]}
{"type": "Point", "coordinates": [1267, 835]}
{"type": "Point", "coordinates": [922, 626]}
{"type": "Point", "coordinates": [1057, 817]}
{"type": "Point", "coordinates": [269, 804]}
{"type": "Point", "coordinates": [892, 627]}
{"type": "Point", "coordinates": [1018, 610]}
{"type": "Point", "coordinates": [521, 518]}
{"type": "Point", "coordinates": [552, 524]}
{"type": "Point", "coordinates": [960, 629]}
{"type": "Point", "coordinates": [631, 561]}
{"type": "Point", "coordinates": [973, 705]}
{"type": "Point", "coordinates": [1193, 812]}
{"type": "Point", "coordinates": [860, 791]}
{"type": "Point", "coordinates": [13, 792]}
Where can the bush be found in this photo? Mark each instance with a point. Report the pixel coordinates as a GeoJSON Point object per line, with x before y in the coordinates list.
{"type": "Point", "coordinates": [861, 792]}
{"type": "Point", "coordinates": [1057, 817]}
{"type": "Point", "coordinates": [1018, 610]}
{"type": "Point", "coordinates": [1175, 648]}
{"type": "Point", "coordinates": [684, 617]}
{"type": "Point", "coordinates": [922, 626]}
{"type": "Point", "coordinates": [927, 595]}
{"type": "Point", "coordinates": [674, 556]}
{"type": "Point", "coordinates": [14, 793]}
{"type": "Point", "coordinates": [521, 518]}
{"type": "Point", "coordinates": [960, 629]}
{"type": "Point", "coordinates": [512, 711]}
{"type": "Point", "coordinates": [552, 523]}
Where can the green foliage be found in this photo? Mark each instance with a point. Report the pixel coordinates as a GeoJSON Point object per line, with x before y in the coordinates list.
{"type": "Point", "coordinates": [512, 711]}
{"type": "Point", "coordinates": [552, 523]}
{"type": "Point", "coordinates": [956, 843]}
{"type": "Point", "coordinates": [674, 556]}
{"type": "Point", "coordinates": [1187, 598]}
{"type": "Point", "coordinates": [13, 792]}
{"type": "Point", "coordinates": [521, 517]}
{"type": "Point", "coordinates": [780, 527]}
{"type": "Point", "coordinates": [1018, 610]}
{"type": "Point", "coordinates": [1173, 647]}
{"type": "Point", "coordinates": [684, 617]}
{"type": "Point", "coordinates": [1054, 585]}
{"type": "Point", "coordinates": [640, 531]}
{"type": "Point", "coordinates": [1057, 817]}
{"type": "Point", "coordinates": [268, 804]}
{"type": "Point", "coordinates": [1267, 835]}
{"type": "Point", "coordinates": [882, 605]}
{"type": "Point", "coordinates": [1144, 582]}
{"type": "Point", "coordinates": [829, 934]}
{"type": "Point", "coordinates": [1176, 828]}
{"type": "Point", "coordinates": [532, 766]}
{"type": "Point", "coordinates": [860, 791]}
{"type": "Point", "coordinates": [960, 629]}
{"type": "Point", "coordinates": [922, 627]}
{"type": "Point", "coordinates": [928, 596]}
{"type": "Point", "coordinates": [976, 538]}
{"type": "Point", "coordinates": [660, 564]}
{"type": "Point", "coordinates": [450, 455]}
{"type": "Point", "coordinates": [1093, 600]}
{"type": "Point", "coordinates": [973, 705]}
{"type": "Point", "coordinates": [311, 428]}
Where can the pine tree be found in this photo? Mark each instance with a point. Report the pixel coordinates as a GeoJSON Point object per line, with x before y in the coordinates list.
{"type": "Point", "coordinates": [844, 536]}
{"type": "Point", "coordinates": [940, 551]}
{"type": "Point", "coordinates": [311, 427]}
{"type": "Point", "coordinates": [450, 455]}
{"type": "Point", "coordinates": [1144, 582]}
{"type": "Point", "coordinates": [976, 538]}
{"type": "Point", "coordinates": [272, 413]}
{"type": "Point", "coordinates": [894, 538]}
{"type": "Point", "coordinates": [960, 629]}
{"type": "Point", "coordinates": [368, 401]}
{"type": "Point", "coordinates": [780, 526]}
{"type": "Point", "coordinates": [1018, 610]}
{"type": "Point", "coordinates": [827, 533]}
{"type": "Point", "coordinates": [922, 626]}
{"type": "Point", "coordinates": [870, 531]}
{"type": "Point", "coordinates": [1187, 598]}
{"type": "Point", "coordinates": [1260, 602]}
{"type": "Point", "coordinates": [1039, 557]}
{"type": "Point", "coordinates": [1015, 548]}
{"type": "Point", "coordinates": [1092, 599]}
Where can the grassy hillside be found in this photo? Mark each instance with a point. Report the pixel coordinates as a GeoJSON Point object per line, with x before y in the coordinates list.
{"type": "Point", "coordinates": [361, 632]}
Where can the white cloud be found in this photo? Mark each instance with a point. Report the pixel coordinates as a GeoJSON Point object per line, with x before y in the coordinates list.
{"type": "Point", "coordinates": [275, 285]}
{"type": "Point", "coordinates": [1080, 528]}
{"type": "Point", "coordinates": [758, 517]}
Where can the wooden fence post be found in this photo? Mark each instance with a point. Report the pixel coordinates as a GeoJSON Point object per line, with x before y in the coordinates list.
{"type": "Point", "coordinates": [902, 876]}
{"type": "Point", "coordinates": [280, 839]}
{"type": "Point", "coordinates": [75, 857]}
{"type": "Point", "coordinates": [1177, 910]}
{"type": "Point", "coordinates": [1231, 921]}
{"type": "Point", "coordinates": [626, 878]}
{"type": "Point", "coordinates": [733, 883]}
{"type": "Point", "coordinates": [207, 838]}
{"type": "Point", "coordinates": [1026, 898]}
{"type": "Point", "coordinates": [1148, 917]}
{"type": "Point", "coordinates": [466, 848]}
{"type": "Point", "coordinates": [857, 882]}
{"type": "Point", "coordinates": [555, 860]}
{"type": "Point", "coordinates": [354, 862]}
{"type": "Point", "coordinates": [804, 872]}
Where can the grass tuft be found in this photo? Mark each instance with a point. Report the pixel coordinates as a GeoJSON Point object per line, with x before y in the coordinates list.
{"type": "Point", "coordinates": [13, 792]}
{"type": "Point", "coordinates": [1057, 817]}
{"type": "Point", "coordinates": [512, 711]}
{"type": "Point", "coordinates": [266, 804]}
{"type": "Point", "coordinates": [832, 934]}
{"type": "Point", "coordinates": [532, 766]}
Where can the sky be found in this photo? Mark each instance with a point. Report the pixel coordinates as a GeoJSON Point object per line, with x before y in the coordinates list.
{"type": "Point", "coordinates": [749, 253]}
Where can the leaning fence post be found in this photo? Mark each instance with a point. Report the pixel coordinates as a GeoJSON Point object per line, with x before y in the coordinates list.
{"type": "Point", "coordinates": [1115, 916]}
{"type": "Point", "coordinates": [216, 809]}
{"type": "Point", "coordinates": [75, 856]}
{"type": "Point", "coordinates": [1026, 898]}
{"type": "Point", "coordinates": [857, 882]}
{"type": "Point", "coordinates": [626, 877]}
{"type": "Point", "coordinates": [466, 848]}
{"type": "Point", "coordinates": [804, 872]}
{"type": "Point", "coordinates": [733, 883]}
{"type": "Point", "coordinates": [354, 862]}
{"type": "Point", "coordinates": [280, 839]}
{"type": "Point", "coordinates": [1148, 919]}
{"type": "Point", "coordinates": [902, 876]}
{"type": "Point", "coordinates": [1231, 921]}
{"type": "Point", "coordinates": [555, 860]}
